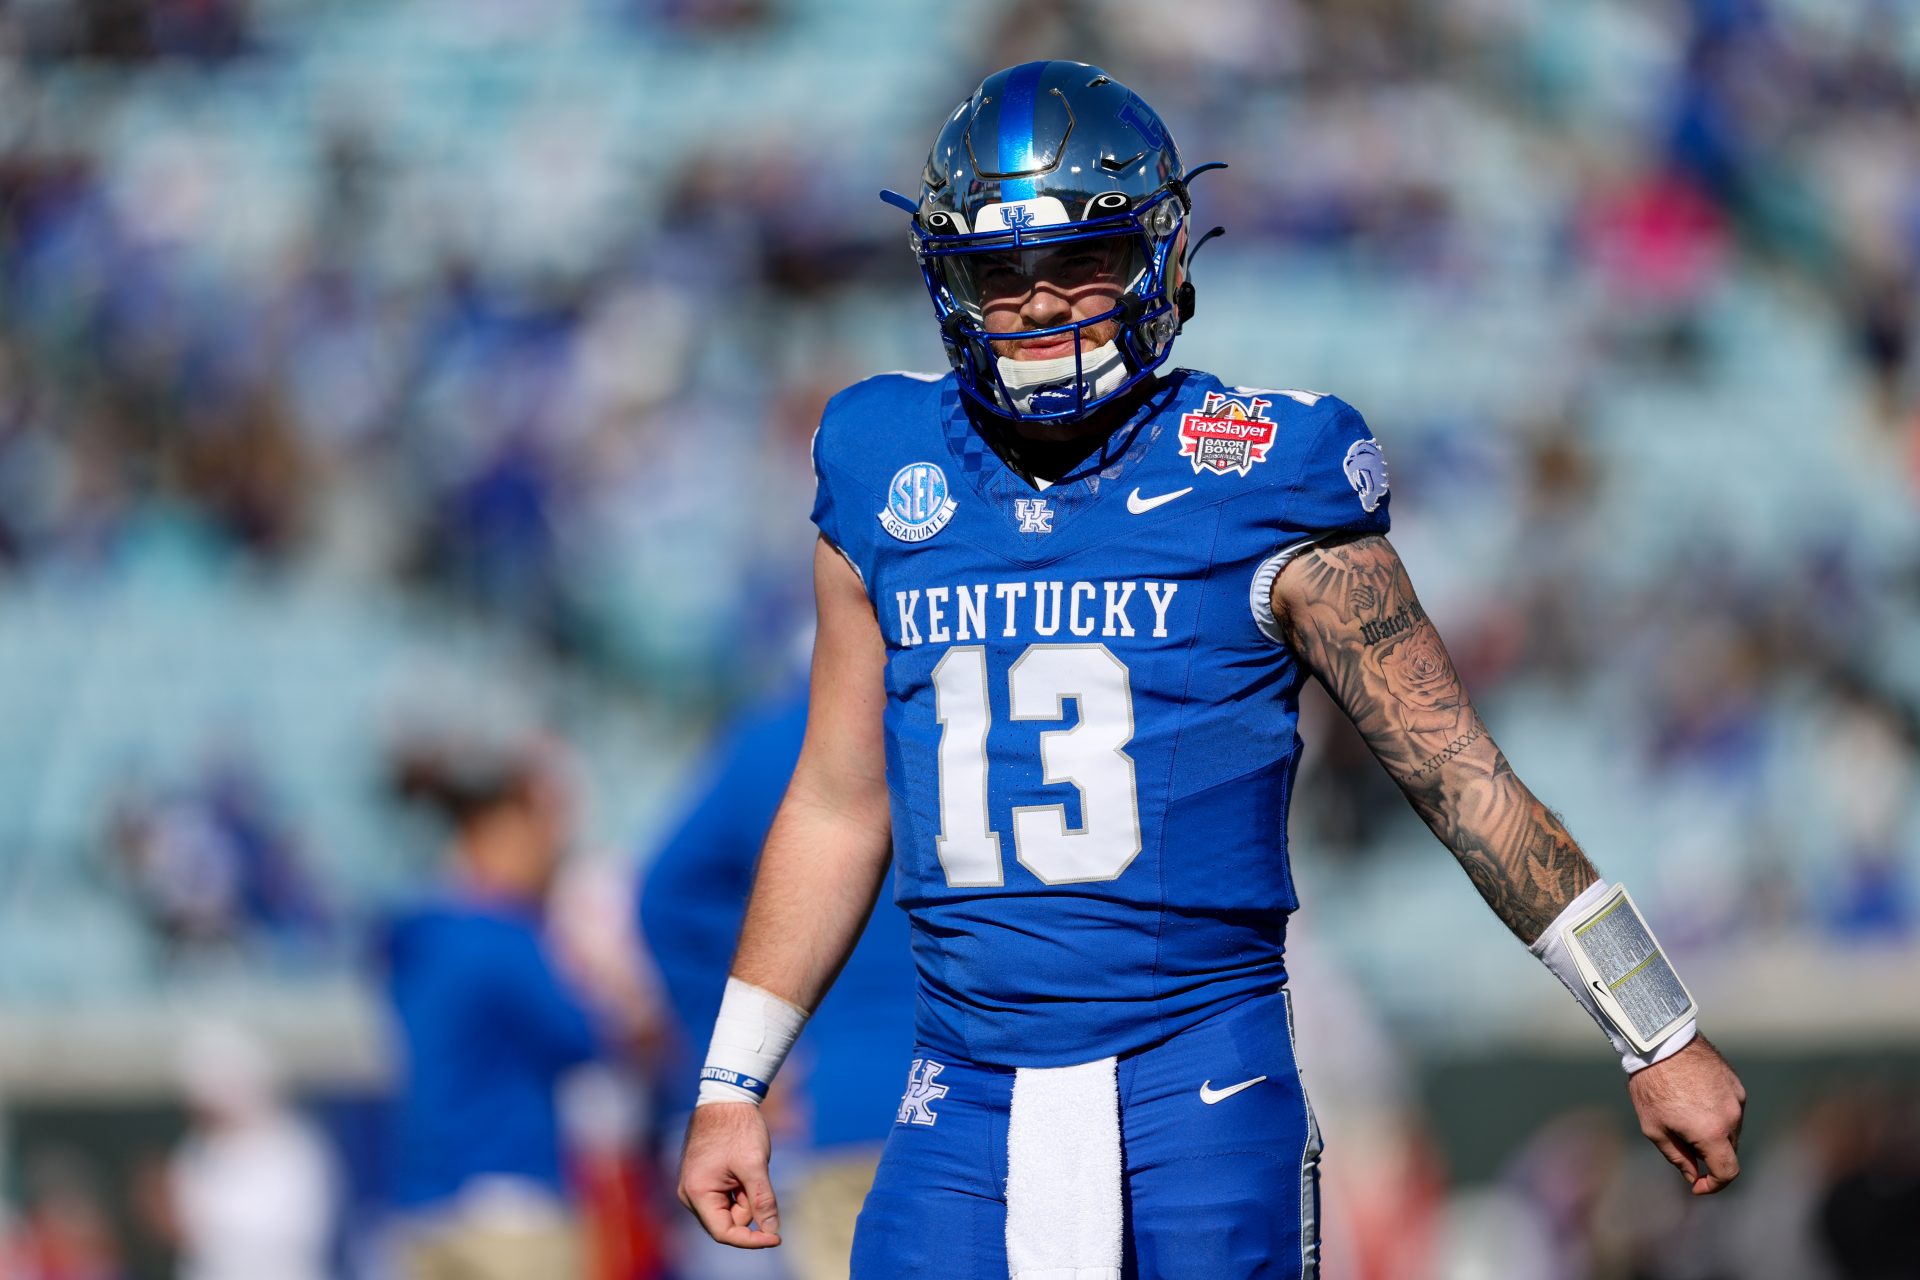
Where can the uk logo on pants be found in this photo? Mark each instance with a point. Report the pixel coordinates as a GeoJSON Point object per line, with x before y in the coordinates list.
{"type": "Point", "coordinates": [916, 1107]}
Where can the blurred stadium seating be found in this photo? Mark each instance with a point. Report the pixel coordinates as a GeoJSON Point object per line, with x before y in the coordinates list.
{"type": "Point", "coordinates": [369, 364]}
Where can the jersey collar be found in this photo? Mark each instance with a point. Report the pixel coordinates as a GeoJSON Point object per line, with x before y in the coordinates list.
{"type": "Point", "coordinates": [1001, 487]}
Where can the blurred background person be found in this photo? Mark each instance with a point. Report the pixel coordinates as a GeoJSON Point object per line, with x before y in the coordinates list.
{"type": "Point", "coordinates": [215, 869]}
{"type": "Point", "coordinates": [489, 1026]}
{"type": "Point", "coordinates": [1869, 1217]}
{"type": "Point", "coordinates": [65, 1230]}
{"type": "Point", "coordinates": [851, 1063]}
{"type": "Point", "coordinates": [250, 1191]}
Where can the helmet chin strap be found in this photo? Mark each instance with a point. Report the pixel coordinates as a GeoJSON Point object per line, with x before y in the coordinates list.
{"type": "Point", "coordinates": [1032, 383]}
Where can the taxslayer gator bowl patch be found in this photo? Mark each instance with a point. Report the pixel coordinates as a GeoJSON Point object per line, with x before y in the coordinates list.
{"type": "Point", "coordinates": [1227, 433]}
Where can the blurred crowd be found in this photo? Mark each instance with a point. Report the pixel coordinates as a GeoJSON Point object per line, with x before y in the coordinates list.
{"type": "Point", "coordinates": [564, 388]}
{"type": "Point", "coordinates": [214, 868]}
{"type": "Point", "coordinates": [519, 315]}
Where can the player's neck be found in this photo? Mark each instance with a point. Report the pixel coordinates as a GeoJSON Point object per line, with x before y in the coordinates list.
{"type": "Point", "coordinates": [1050, 450]}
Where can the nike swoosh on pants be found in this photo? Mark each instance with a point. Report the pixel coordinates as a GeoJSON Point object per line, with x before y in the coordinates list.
{"type": "Point", "coordinates": [1211, 1095]}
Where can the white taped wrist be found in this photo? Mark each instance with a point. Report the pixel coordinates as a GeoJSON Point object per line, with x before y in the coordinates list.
{"type": "Point", "coordinates": [1602, 951]}
{"type": "Point", "coordinates": [751, 1038]}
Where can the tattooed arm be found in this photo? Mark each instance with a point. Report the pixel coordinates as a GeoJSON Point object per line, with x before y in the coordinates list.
{"type": "Point", "coordinates": [1351, 614]}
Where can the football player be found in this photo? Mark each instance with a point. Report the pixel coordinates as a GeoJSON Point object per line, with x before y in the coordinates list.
{"type": "Point", "coordinates": [1067, 598]}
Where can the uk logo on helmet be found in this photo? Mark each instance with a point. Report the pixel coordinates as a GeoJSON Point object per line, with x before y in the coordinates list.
{"type": "Point", "coordinates": [918, 504]}
{"type": "Point", "coordinates": [1040, 211]}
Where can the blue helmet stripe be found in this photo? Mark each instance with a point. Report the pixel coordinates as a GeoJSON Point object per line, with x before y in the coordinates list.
{"type": "Point", "coordinates": [1016, 129]}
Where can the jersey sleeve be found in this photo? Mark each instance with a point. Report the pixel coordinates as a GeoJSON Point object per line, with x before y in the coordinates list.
{"type": "Point", "coordinates": [826, 512]}
{"type": "Point", "coordinates": [831, 490]}
{"type": "Point", "coordinates": [846, 494]}
{"type": "Point", "coordinates": [1341, 487]}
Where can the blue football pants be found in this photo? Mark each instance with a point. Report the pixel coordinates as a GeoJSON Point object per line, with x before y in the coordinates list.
{"type": "Point", "coordinates": [1219, 1190]}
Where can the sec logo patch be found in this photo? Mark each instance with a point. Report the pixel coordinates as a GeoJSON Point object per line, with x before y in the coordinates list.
{"type": "Point", "coordinates": [918, 504]}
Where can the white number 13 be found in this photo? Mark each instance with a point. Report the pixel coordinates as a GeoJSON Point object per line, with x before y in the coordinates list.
{"type": "Point", "coordinates": [1090, 756]}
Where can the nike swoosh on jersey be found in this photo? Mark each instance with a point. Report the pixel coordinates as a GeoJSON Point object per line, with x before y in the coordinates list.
{"type": "Point", "coordinates": [1211, 1095]}
{"type": "Point", "coordinates": [1139, 506]}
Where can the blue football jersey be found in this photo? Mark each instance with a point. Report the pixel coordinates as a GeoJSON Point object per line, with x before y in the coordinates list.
{"type": "Point", "coordinates": [1090, 716]}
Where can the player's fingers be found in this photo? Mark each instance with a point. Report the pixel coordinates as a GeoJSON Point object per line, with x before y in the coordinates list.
{"type": "Point", "coordinates": [714, 1210]}
{"type": "Point", "coordinates": [760, 1199]}
{"type": "Point", "coordinates": [717, 1214]}
{"type": "Point", "coordinates": [746, 1237]}
{"type": "Point", "coordinates": [1676, 1155]}
{"type": "Point", "coordinates": [1720, 1165]}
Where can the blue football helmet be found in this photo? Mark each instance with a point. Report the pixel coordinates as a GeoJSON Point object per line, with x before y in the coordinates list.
{"type": "Point", "coordinates": [1054, 170]}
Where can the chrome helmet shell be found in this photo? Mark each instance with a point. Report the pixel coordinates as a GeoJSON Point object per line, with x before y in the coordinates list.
{"type": "Point", "coordinates": [1043, 155]}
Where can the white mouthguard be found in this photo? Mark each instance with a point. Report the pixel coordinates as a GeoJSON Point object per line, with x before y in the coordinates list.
{"type": "Point", "coordinates": [1102, 370]}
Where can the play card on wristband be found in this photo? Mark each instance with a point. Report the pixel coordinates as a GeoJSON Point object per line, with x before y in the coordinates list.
{"type": "Point", "coordinates": [1601, 948]}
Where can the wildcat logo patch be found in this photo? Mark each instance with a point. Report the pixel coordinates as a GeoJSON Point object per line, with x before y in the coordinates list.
{"type": "Point", "coordinates": [1366, 469]}
{"type": "Point", "coordinates": [1227, 433]}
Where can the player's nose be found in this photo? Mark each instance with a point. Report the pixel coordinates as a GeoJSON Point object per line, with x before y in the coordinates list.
{"type": "Point", "coordinates": [1044, 307]}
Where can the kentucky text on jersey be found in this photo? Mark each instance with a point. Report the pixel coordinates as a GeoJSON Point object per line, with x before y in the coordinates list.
{"type": "Point", "coordinates": [1039, 608]}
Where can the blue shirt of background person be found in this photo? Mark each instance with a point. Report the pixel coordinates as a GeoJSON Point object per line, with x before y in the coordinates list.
{"type": "Point", "coordinates": [853, 1054]}
{"type": "Point", "coordinates": [487, 1025]}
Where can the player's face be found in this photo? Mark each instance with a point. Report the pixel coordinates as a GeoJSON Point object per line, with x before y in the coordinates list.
{"type": "Point", "coordinates": [1017, 290]}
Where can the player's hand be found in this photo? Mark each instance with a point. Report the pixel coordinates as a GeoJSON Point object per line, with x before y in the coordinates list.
{"type": "Point", "coordinates": [723, 1175]}
{"type": "Point", "coordinates": [1690, 1106]}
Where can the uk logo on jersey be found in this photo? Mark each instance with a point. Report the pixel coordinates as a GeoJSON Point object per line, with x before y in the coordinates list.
{"type": "Point", "coordinates": [918, 504]}
{"type": "Point", "coordinates": [916, 1107]}
{"type": "Point", "coordinates": [1034, 514]}
{"type": "Point", "coordinates": [1227, 433]}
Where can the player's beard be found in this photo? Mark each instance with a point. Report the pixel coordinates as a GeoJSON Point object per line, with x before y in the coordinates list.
{"type": "Point", "coordinates": [1092, 338]}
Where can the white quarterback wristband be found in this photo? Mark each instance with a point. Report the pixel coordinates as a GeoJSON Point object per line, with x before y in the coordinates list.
{"type": "Point", "coordinates": [1602, 949]}
{"type": "Point", "coordinates": [751, 1038]}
